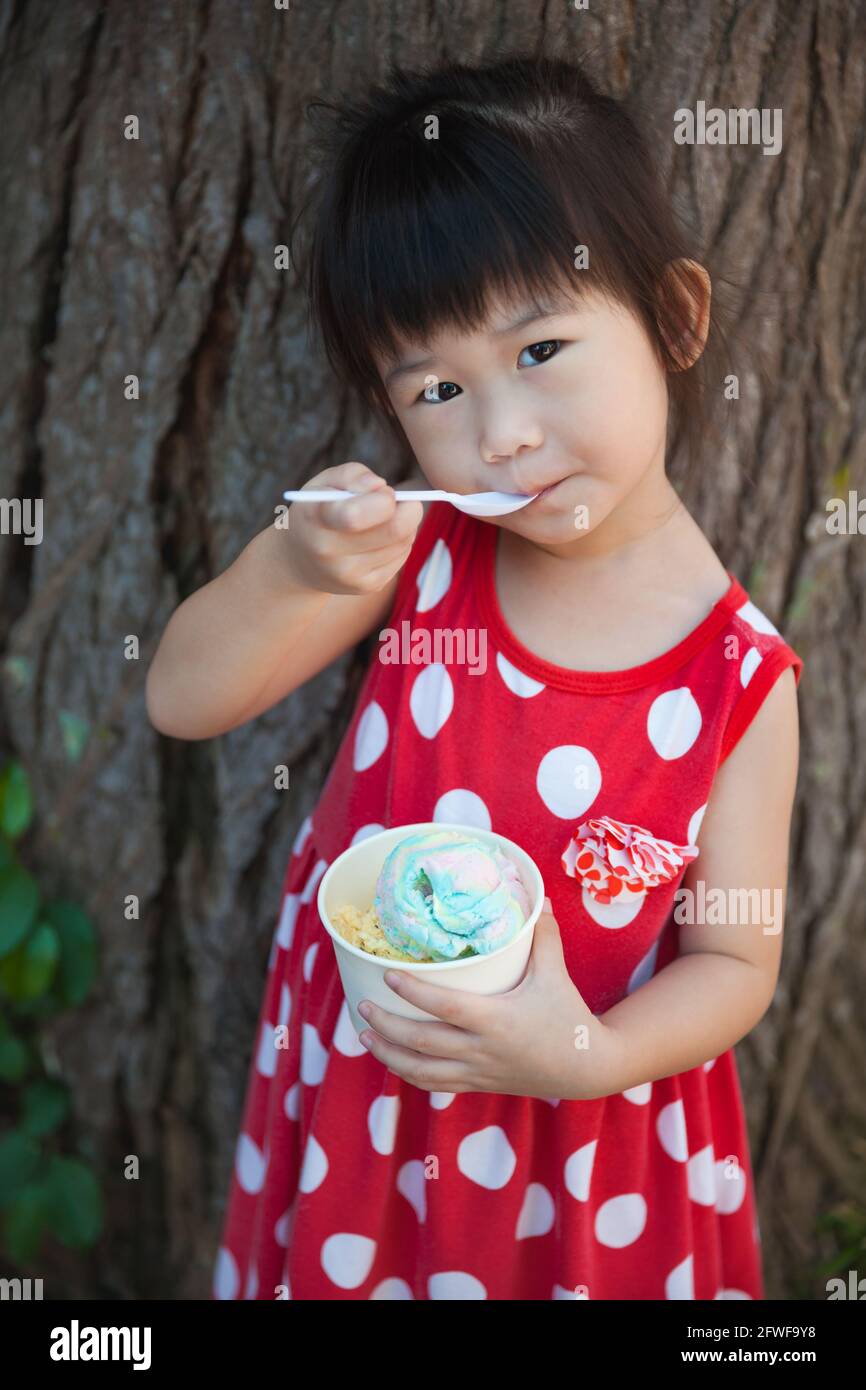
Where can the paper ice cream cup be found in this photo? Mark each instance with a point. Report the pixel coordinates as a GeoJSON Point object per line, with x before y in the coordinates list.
{"type": "Point", "coordinates": [351, 879]}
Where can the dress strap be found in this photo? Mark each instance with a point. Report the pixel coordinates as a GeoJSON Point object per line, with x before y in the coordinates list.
{"type": "Point", "coordinates": [437, 521]}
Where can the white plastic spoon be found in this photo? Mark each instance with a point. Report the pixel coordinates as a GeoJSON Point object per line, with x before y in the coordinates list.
{"type": "Point", "coordinates": [475, 503]}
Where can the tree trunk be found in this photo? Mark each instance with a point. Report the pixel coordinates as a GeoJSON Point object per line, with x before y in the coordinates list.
{"type": "Point", "coordinates": [155, 257]}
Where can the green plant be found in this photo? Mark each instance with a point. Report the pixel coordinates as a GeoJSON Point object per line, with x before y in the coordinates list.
{"type": "Point", "coordinates": [48, 962]}
{"type": "Point", "coordinates": [847, 1222]}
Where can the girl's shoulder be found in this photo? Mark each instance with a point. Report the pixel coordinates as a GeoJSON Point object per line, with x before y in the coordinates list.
{"type": "Point", "coordinates": [758, 654]}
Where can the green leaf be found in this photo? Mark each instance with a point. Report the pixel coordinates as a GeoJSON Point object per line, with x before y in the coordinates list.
{"type": "Point", "coordinates": [45, 1106]}
{"type": "Point", "coordinates": [14, 1059]}
{"type": "Point", "coordinates": [27, 972]}
{"type": "Point", "coordinates": [19, 1159]}
{"type": "Point", "coordinates": [74, 1202]}
{"type": "Point", "coordinates": [840, 479]}
{"type": "Point", "coordinates": [7, 853]}
{"type": "Point", "coordinates": [40, 1010]}
{"type": "Point", "coordinates": [74, 731]}
{"type": "Point", "coordinates": [19, 902]}
{"type": "Point", "coordinates": [78, 950]}
{"type": "Point", "coordinates": [16, 802]}
{"type": "Point", "coordinates": [24, 1223]}
{"type": "Point", "coordinates": [19, 669]}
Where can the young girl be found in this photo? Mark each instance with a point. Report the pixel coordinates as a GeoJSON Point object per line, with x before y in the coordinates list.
{"type": "Point", "coordinates": [495, 267]}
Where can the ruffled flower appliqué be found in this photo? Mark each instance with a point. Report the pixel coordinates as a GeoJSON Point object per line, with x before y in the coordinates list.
{"type": "Point", "coordinates": [611, 859]}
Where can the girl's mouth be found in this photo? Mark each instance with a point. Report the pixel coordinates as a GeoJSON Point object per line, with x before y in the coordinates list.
{"type": "Point", "coordinates": [546, 491]}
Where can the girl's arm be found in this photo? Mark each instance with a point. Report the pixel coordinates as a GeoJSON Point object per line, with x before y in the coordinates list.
{"type": "Point", "coordinates": [725, 976]}
{"type": "Point", "coordinates": [248, 638]}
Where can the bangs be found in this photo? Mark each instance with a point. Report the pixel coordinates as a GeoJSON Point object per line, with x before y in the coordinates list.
{"type": "Point", "coordinates": [444, 192]}
{"type": "Point", "coordinates": [427, 232]}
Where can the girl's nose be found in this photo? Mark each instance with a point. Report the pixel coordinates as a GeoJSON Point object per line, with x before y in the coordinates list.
{"type": "Point", "coordinates": [500, 445]}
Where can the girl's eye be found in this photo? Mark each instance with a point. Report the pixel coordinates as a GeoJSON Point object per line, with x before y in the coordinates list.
{"type": "Point", "coordinates": [429, 392]}
{"type": "Point", "coordinates": [554, 343]}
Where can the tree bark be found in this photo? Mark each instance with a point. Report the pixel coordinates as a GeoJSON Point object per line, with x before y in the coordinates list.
{"type": "Point", "coordinates": [155, 257]}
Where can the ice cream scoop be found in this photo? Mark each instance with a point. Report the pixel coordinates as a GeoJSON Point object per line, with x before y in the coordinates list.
{"type": "Point", "coordinates": [441, 894]}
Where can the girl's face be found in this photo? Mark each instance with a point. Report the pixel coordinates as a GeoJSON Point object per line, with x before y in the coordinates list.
{"type": "Point", "coordinates": [576, 399]}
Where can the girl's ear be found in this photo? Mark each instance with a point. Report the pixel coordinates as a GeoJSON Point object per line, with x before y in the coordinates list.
{"type": "Point", "coordinates": [685, 320]}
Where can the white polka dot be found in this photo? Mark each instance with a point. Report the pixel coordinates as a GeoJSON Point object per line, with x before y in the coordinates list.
{"type": "Point", "coordinates": [455, 1285]}
{"type": "Point", "coordinates": [285, 1006]}
{"type": "Point", "coordinates": [346, 1039]}
{"type": "Point", "coordinates": [518, 683]}
{"type": "Point", "coordinates": [303, 831]}
{"type": "Point", "coordinates": [732, 1294]}
{"type": "Point", "coordinates": [286, 925]}
{"type": "Point", "coordinates": [382, 1123]}
{"type": "Point", "coordinates": [310, 960]}
{"type": "Point", "coordinates": [671, 1130]}
{"type": "Point", "coordinates": [708, 1066]}
{"type": "Point", "coordinates": [700, 1177]}
{"type": "Point", "coordinates": [440, 1100]}
{"type": "Point", "coordinates": [577, 1174]}
{"type": "Point", "coordinates": [486, 1157]}
{"type": "Point", "coordinates": [315, 1166]}
{"type": "Point", "coordinates": [560, 1292]}
{"type": "Point", "coordinates": [568, 780]}
{"type": "Point", "coordinates": [434, 577]}
{"type": "Point", "coordinates": [314, 1057]}
{"type": "Point", "coordinates": [371, 737]}
{"type": "Point", "coordinates": [643, 970]}
{"type": "Point", "coordinates": [431, 699]}
{"type": "Point", "coordinates": [751, 661]}
{"type": "Point", "coordinates": [695, 824]}
{"type": "Point", "coordinates": [266, 1057]}
{"type": "Point", "coordinates": [756, 619]}
{"type": "Point", "coordinates": [392, 1289]}
{"type": "Point", "coordinates": [620, 1220]}
{"type": "Point", "coordinates": [730, 1189]}
{"type": "Point", "coordinates": [680, 1283]}
{"type": "Point", "coordinates": [312, 882]}
{"type": "Point", "coordinates": [462, 807]}
{"type": "Point", "coordinates": [249, 1164]}
{"type": "Point", "coordinates": [537, 1213]}
{"type": "Point", "coordinates": [226, 1279]}
{"type": "Point", "coordinates": [673, 723]}
{"type": "Point", "coordinates": [292, 1101]}
{"type": "Point", "coordinates": [283, 1227]}
{"type": "Point", "coordinates": [412, 1184]}
{"type": "Point", "coordinates": [252, 1283]}
{"type": "Point", "coordinates": [366, 831]}
{"type": "Point", "coordinates": [614, 915]}
{"type": "Point", "coordinates": [347, 1259]}
{"type": "Point", "coordinates": [639, 1095]}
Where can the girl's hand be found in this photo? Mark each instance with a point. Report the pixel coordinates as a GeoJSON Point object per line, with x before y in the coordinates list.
{"type": "Point", "coordinates": [540, 1039]}
{"type": "Point", "coordinates": [353, 545]}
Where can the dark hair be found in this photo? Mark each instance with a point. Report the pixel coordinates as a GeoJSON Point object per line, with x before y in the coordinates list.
{"type": "Point", "coordinates": [412, 233]}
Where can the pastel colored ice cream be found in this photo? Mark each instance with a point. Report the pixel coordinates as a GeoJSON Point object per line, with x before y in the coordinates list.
{"type": "Point", "coordinates": [442, 894]}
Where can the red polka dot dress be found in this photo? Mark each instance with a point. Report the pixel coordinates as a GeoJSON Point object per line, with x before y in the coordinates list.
{"type": "Point", "coordinates": [351, 1183]}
